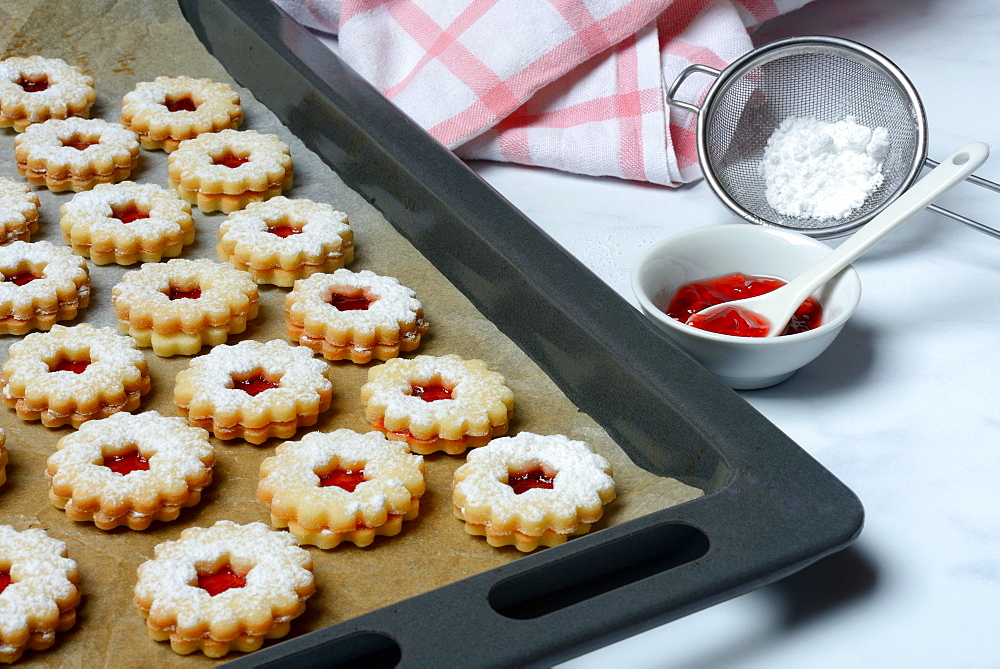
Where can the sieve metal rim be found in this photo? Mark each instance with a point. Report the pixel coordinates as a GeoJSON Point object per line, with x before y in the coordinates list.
{"type": "Point", "coordinates": [726, 78]}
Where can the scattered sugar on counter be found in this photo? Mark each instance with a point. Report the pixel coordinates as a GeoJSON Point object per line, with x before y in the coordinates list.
{"type": "Point", "coordinates": [814, 169]}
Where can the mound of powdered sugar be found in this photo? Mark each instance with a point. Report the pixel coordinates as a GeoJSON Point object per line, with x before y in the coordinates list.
{"type": "Point", "coordinates": [814, 169]}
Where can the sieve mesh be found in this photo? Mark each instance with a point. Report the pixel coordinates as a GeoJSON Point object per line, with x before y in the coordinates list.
{"type": "Point", "coordinates": [825, 78]}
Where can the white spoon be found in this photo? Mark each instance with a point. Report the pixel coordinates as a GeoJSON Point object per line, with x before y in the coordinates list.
{"type": "Point", "coordinates": [778, 306]}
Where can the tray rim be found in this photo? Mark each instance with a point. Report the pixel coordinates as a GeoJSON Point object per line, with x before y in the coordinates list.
{"type": "Point", "coordinates": [781, 478]}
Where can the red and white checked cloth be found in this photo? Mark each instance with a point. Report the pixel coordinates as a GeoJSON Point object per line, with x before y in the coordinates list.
{"type": "Point", "coordinates": [575, 85]}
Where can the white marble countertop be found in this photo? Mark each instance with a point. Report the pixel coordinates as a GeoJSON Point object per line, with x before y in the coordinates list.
{"type": "Point", "coordinates": [900, 408]}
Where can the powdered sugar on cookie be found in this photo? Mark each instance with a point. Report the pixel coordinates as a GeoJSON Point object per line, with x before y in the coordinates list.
{"type": "Point", "coordinates": [565, 488]}
{"type": "Point", "coordinates": [42, 595]}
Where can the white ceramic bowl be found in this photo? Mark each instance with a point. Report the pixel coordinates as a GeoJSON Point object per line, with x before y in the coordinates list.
{"type": "Point", "coordinates": [743, 362]}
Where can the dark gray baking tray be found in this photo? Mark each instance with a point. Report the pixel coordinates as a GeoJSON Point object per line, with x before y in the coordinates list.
{"type": "Point", "coordinates": [769, 509]}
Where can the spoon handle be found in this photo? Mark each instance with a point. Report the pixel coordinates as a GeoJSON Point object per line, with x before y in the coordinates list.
{"type": "Point", "coordinates": [949, 172]}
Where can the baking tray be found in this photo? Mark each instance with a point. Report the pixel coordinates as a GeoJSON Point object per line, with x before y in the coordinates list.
{"type": "Point", "coordinates": [769, 508]}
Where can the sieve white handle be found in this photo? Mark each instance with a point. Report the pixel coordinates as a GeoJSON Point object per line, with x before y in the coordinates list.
{"type": "Point", "coordinates": [685, 73]}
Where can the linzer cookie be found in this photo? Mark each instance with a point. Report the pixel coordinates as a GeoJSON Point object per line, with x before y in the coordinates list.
{"type": "Point", "coordinates": [3, 456]}
{"type": "Point", "coordinates": [166, 111]}
{"type": "Point", "coordinates": [331, 487]}
{"type": "Point", "coordinates": [227, 170]}
{"type": "Point", "coordinates": [126, 223]}
{"type": "Point", "coordinates": [129, 470]}
{"type": "Point", "coordinates": [75, 154]}
{"type": "Point", "coordinates": [34, 89]}
{"type": "Point", "coordinates": [39, 594]}
{"type": "Point", "coordinates": [356, 316]}
{"type": "Point", "coordinates": [282, 240]}
{"type": "Point", "coordinates": [71, 375]}
{"type": "Point", "coordinates": [18, 211]}
{"type": "Point", "coordinates": [40, 284]}
{"type": "Point", "coordinates": [224, 588]}
{"type": "Point", "coordinates": [442, 403]}
{"type": "Point", "coordinates": [179, 306]}
{"type": "Point", "coordinates": [531, 490]}
{"type": "Point", "coordinates": [253, 390]}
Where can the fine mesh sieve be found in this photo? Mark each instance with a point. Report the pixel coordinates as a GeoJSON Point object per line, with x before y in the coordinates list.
{"type": "Point", "coordinates": [827, 78]}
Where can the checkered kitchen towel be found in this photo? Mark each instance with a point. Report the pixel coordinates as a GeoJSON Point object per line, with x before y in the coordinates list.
{"type": "Point", "coordinates": [575, 85]}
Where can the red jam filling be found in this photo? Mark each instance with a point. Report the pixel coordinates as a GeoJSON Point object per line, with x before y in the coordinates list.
{"type": "Point", "coordinates": [348, 479]}
{"type": "Point", "coordinates": [33, 85]}
{"type": "Point", "coordinates": [522, 482]}
{"type": "Point", "coordinates": [180, 104]}
{"type": "Point", "coordinates": [254, 385]}
{"type": "Point", "coordinates": [67, 365]}
{"type": "Point", "coordinates": [693, 297]}
{"type": "Point", "coordinates": [284, 230]}
{"type": "Point", "coordinates": [431, 392]}
{"type": "Point", "coordinates": [129, 213]}
{"type": "Point", "coordinates": [4, 580]}
{"type": "Point", "coordinates": [78, 143]}
{"type": "Point", "coordinates": [221, 580]}
{"type": "Point", "coordinates": [346, 303]}
{"type": "Point", "coordinates": [20, 278]}
{"type": "Point", "coordinates": [179, 294]}
{"type": "Point", "coordinates": [230, 160]}
{"type": "Point", "coordinates": [126, 463]}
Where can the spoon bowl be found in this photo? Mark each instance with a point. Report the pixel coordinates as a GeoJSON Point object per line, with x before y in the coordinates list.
{"type": "Point", "coordinates": [773, 310]}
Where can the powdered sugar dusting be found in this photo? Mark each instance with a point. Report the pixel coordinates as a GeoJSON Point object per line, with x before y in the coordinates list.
{"type": "Point", "coordinates": [146, 289]}
{"type": "Point", "coordinates": [116, 365]}
{"type": "Point", "coordinates": [60, 272]}
{"type": "Point", "coordinates": [41, 576]}
{"type": "Point", "coordinates": [582, 478]}
{"type": "Point", "coordinates": [178, 456]}
{"type": "Point", "coordinates": [476, 392]}
{"type": "Point", "coordinates": [44, 144]}
{"type": "Point", "coordinates": [93, 212]}
{"type": "Point", "coordinates": [276, 572]}
{"type": "Point", "coordinates": [324, 230]}
{"type": "Point", "coordinates": [393, 475]}
{"type": "Point", "coordinates": [193, 162]}
{"type": "Point", "coordinates": [393, 303]}
{"type": "Point", "coordinates": [210, 376]}
{"type": "Point", "coordinates": [17, 204]}
{"type": "Point", "coordinates": [69, 89]}
{"type": "Point", "coordinates": [814, 169]}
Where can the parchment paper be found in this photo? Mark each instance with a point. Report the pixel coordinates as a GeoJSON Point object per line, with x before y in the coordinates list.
{"type": "Point", "coordinates": [120, 43]}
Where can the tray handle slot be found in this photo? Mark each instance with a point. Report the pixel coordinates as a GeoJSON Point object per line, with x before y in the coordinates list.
{"type": "Point", "coordinates": [358, 650]}
{"type": "Point", "coordinates": [596, 571]}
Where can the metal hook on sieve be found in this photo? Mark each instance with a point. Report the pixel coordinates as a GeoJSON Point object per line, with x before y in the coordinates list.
{"type": "Point", "coordinates": [726, 169]}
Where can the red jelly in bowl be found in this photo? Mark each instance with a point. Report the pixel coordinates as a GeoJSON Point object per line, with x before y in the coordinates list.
{"type": "Point", "coordinates": [697, 295]}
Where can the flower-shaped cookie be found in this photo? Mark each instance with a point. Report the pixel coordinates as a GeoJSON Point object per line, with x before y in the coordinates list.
{"type": "Point", "coordinates": [356, 316]}
{"type": "Point", "coordinates": [225, 587]}
{"type": "Point", "coordinates": [282, 240]}
{"type": "Point", "coordinates": [531, 490]}
{"type": "Point", "coordinates": [130, 470]}
{"type": "Point", "coordinates": [40, 284]}
{"type": "Point", "coordinates": [253, 390]}
{"type": "Point", "coordinates": [179, 306]}
{"type": "Point", "coordinates": [75, 153]}
{"type": "Point", "coordinates": [126, 223]}
{"type": "Point", "coordinates": [227, 170]}
{"type": "Point", "coordinates": [18, 211]}
{"type": "Point", "coordinates": [35, 89]}
{"type": "Point", "coordinates": [339, 486]}
{"type": "Point", "coordinates": [437, 403]}
{"type": "Point", "coordinates": [71, 375]}
{"type": "Point", "coordinates": [166, 111]}
{"type": "Point", "coordinates": [38, 591]}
